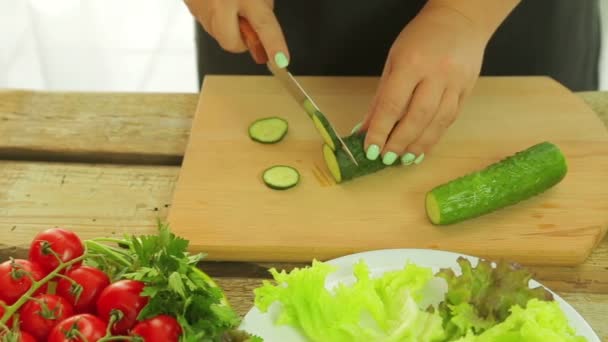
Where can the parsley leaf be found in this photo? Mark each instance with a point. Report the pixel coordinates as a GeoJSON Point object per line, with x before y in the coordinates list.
{"type": "Point", "coordinates": [174, 284]}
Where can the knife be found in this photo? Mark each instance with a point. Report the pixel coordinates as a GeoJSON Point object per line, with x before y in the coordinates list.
{"type": "Point", "coordinates": [258, 53]}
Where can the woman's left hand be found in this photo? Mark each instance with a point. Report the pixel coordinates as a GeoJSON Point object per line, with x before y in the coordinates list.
{"type": "Point", "coordinates": [431, 67]}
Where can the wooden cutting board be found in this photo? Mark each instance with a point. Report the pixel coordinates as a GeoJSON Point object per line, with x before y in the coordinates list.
{"type": "Point", "coordinates": [221, 205]}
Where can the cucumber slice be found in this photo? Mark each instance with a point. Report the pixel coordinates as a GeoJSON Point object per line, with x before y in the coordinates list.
{"type": "Point", "coordinates": [342, 167]}
{"type": "Point", "coordinates": [331, 160]}
{"type": "Point", "coordinates": [309, 107]}
{"type": "Point", "coordinates": [322, 125]}
{"type": "Point", "coordinates": [268, 130]}
{"type": "Point", "coordinates": [281, 177]}
{"type": "Point", "coordinates": [518, 177]}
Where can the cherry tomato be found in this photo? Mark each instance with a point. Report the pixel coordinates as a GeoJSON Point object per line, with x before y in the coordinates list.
{"type": "Point", "coordinates": [124, 296]}
{"type": "Point", "coordinates": [40, 314]}
{"type": "Point", "coordinates": [25, 337]}
{"type": "Point", "coordinates": [79, 328]}
{"type": "Point", "coordinates": [21, 336]}
{"type": "Point", "coordinates": [91, 280]}
{"type": "Point", "coordinates": [66, 244]}
{"type": "Point", "coordinates": [14, 279]}
{"type": "Point", "coordinates": [161, 328]}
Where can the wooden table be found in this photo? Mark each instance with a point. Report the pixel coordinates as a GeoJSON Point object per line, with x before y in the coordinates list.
{"type": "Point", "coordinates": [106, 163]}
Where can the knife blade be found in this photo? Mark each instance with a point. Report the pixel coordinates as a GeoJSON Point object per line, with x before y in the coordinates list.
{"type": "Point", "coordinates": [258, 53]}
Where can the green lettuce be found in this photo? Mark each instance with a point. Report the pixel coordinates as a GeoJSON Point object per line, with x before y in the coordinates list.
{"type": "Point", "coordinates": [482, 296]}
{"type": "Point", "coordinates": [482, 304]}
{"type": "Point", "coordinates": [386, 308]}
{"type": "Point", "coordinates": [540, 321]}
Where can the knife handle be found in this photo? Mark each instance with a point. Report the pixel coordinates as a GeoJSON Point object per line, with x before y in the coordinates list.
{"type": "Point", "coordinates": [252, 40]}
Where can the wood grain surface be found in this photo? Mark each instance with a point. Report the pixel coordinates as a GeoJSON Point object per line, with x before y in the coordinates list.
{"type": "Point", "coordinates": [106, 200]}
{"type": "Point", "coordinates": [95, 127]}
{"type": "Point", "coordinates": [43, 125]}
{"type": "Point", "coordinates": [98, 199]}
{"type": "Point", "coordinates": [223, 208]}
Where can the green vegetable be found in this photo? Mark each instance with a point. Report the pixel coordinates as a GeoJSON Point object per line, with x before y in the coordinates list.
{"type": "Point", "coordinates": [342, 167]}
{"type": "Point", "coordinates": [382, 309]}
{"type": "Point", "coordinates": [539, 321]}
{"type": "Point", "coordinates": [482, 304]}
{"type": "Point", "coordinates": [174, 283]}
{"type": "Point", "coordinates": [482, 296]}
{"type": "Point", "coordinates": [268, 130]}
{"type": "Point", "coordinates": [281, 177]}
{"type": "Point", "coordinates": [507, 182]}
{"type": "Point", "coordinates": [324, 128]}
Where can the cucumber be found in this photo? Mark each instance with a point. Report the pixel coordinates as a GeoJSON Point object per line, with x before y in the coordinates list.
{"type": "Point", "coordinates": [281, 177]}
{"type": "Point", "coordinates": [513, 179]}
{"type": "Point", "coordinates": [269, 130]}
{"type": "Point", "coordinates": [324, 128]}
{"type": "Point", "coordinates": [342, 167]}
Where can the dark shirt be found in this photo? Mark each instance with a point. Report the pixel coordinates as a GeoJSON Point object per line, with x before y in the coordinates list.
{"type": "Point", "coordinates": [556, 38]}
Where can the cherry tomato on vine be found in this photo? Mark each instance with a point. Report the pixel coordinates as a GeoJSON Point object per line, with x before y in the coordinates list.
{"type": "Point", "coordinates": [42, 313]}
{"type": "Point", "coordinates": [123, 296]}
{"type": "Point", "coordinates": [161, 328]}
{"type": "Point", "coordinates": [21, 336]}
{"type": "Point", "coordinates": [14, 279]}
{"type": "Point", "coordinates": [66, 244]}
{"type": "Point", "coordinates": [83, 295]}
{"type": "Point", "coordinates": [78, 328]}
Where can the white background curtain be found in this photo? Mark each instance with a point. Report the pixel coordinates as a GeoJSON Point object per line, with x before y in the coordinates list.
{"type": "Point", "coordinates": [107, 45]}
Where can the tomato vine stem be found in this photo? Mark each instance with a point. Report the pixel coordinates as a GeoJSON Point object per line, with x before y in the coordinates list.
{"type": "Point", "coordinates": [11, 309]}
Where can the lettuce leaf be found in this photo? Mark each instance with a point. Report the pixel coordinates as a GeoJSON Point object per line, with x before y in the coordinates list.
{"type": "Point", "coordinates": [482, 304]}
{"type": "Point", "coordinates": [540, 321]}
{"type": "Point", "coordinates": [386, 308]}
{"type": "Point", "coordinates": [482, 296]}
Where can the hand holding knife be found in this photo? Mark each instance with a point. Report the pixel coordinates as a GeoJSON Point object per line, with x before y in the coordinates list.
{"type": "Point", "coordinates": [258, 53]}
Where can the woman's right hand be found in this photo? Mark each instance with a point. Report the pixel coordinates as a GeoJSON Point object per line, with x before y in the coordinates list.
{"type": "Point", "coordinates": [220, 18]}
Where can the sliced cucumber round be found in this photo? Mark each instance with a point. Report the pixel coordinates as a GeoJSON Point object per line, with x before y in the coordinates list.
{"type": "Point", "coordinates": [324, 128]}
{"type": "Point", "coordinates": [268, 130]}
{"type": "Point", "coordinates": [281, 177]}
{"type": "Point", "coordinates": [332, 163]}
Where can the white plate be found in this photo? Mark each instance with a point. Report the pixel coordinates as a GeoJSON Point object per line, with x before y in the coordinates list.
{"type": "Point", "coordinates": [262, 324]}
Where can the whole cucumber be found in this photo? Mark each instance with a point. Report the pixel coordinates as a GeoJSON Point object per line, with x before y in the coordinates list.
{"type": "Point", "coordinates": [518, 177]}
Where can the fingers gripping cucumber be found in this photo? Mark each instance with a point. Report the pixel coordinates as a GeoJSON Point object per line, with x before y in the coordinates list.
{"type": "Point", "coordinates": [342, 167]}
{"type": "Point", "coordinates": [507, 182]}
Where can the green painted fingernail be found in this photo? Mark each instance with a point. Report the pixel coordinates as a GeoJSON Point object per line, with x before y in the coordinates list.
{"type": "Point", "coordinates": [356, 128]}
{"type": "Point", "coordinates": [281, 60]}
{"type": "Point", "coordinates": [373, 151]}
{"type": "Point", "coordinates": [419, 159]}
{"type": "Point", "coordinates": [389, 158]}
{"type": "Point", "coordinates": [408, 158]}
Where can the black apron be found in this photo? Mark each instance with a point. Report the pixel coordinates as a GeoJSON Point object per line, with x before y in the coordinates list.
{"type": "Point", "coordinates": [556, 38]}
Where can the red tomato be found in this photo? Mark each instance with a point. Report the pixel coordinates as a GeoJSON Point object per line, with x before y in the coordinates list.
{"type": "Point", "coordinates": [124, 296]}
{"type": "Point", "coordinates": [40, 314]}
{"type": "Point", "coordinates": [161, 328]}
{"type": "Point", "coordinates": [14, 281]}
{"type": "Point", "coordinates": [64, 243]}
{"type": "Point", "coordinates": [91, 280]}
{"type": "Point", "coordinates": [25, 337]}
{"type": "Point", "coordinates": [83, 327]}
{"type": "Point", "coordinates": [21, 336]}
